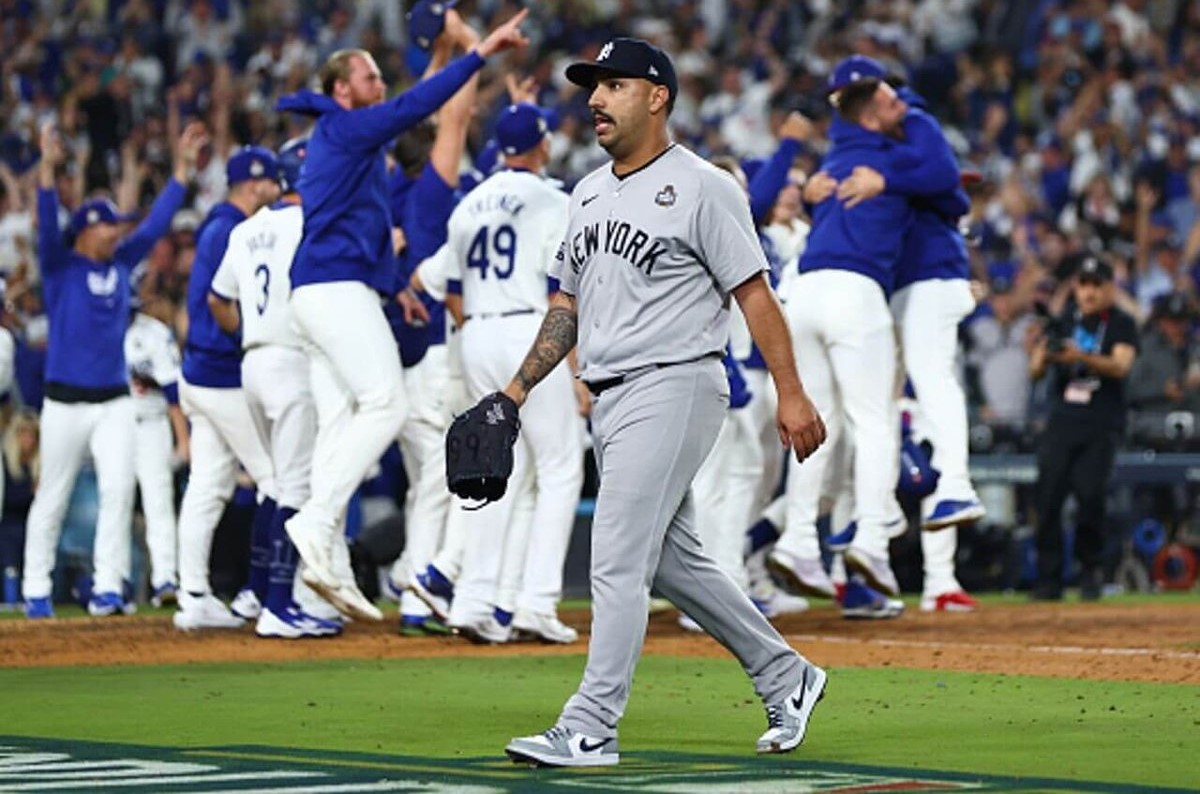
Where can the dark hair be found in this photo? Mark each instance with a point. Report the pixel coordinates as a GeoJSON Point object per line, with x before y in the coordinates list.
{"type": "Point", "coordinates": [854, 98]}
{"type": "Point", "coordinates": [414, 146]}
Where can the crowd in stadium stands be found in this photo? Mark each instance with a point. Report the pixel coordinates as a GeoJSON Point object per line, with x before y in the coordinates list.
{"type": "Point", "coordinates": [1082, 116]}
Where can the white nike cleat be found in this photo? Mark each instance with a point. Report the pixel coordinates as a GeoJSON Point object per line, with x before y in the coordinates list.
{"type": "Point", "coordinates": [197, 613]}
{"type": "Point", "coordinates": [346, 597]}
{"type": "Point", "coordinates": [312, 543]}
{"type": "Point", "coordinates": [246, 604]}
{"type": "Point", "coordinates": [562, 746]}
{"type": "Point", "coordinates": [787, 722]}
{"type": "Point", "coordinates": [547, 628]}
{"type": "Point", "coordinates": [802, 576]}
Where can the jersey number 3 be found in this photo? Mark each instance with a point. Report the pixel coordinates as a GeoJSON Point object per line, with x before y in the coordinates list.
{"type": "Point", "coordinates": [496, 252]}
{"type": "Point", "coordinates": [262, 274]}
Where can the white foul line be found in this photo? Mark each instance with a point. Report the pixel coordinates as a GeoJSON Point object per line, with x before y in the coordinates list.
{"type": "Point", "coordinates": [1048, 649]}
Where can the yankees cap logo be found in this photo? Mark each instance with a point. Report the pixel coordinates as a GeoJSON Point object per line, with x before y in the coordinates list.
{"type": "Point", "coordinates": [605, 51]}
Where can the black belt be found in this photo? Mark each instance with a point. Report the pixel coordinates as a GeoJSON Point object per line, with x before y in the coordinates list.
{"type": "Point", "coordinates": [488, 315]}
{"type": "Point", "coordinates": [598, 387]}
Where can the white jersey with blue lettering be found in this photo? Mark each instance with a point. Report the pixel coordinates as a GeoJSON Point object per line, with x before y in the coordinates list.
{"type": "Point", "coordinates": [502, 239]}
{"type": "Point", "coordinates": [152, 355]}
{"type": "Point", "coordinates": [254, 272]}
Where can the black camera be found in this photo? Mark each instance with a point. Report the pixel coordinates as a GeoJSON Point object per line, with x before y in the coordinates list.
{"type": "Point", "coordinates": [1058, 330]}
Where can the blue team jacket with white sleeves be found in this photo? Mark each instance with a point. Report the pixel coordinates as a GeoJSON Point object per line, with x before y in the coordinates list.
{"type": "Point", "coordinates": [868, 238]}
{"type": "Point", "coordinates": [211, 357]}
{"type": "Point", "coordinates": [344, 183]}
{"type": "Point", "coordinates": [87, 302]}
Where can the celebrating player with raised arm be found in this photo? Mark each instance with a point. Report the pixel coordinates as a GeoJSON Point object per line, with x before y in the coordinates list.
{"type": "Point", "coordinates": [87, 387]}
{"type": "Point", "coordinates": [343, 263]}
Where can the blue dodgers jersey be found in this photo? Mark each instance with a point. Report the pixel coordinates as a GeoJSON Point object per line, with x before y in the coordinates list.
{"type": "Point", "coordinates": [87, 302]}
{"type": "Point", "coordinates": [344, 184]}
{"type": "Point", "coordinates": [211, 357]}
{"type": "Point", "coordinates": [424, 214]}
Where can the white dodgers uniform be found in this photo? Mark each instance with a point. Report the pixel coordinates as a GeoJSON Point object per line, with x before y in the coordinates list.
{"type": "Point", "coordinates": [503, 237]}
{"type": "Point", "coordinates": [153, 358]}
{"type": "Point", "coordinates": [275, 370]}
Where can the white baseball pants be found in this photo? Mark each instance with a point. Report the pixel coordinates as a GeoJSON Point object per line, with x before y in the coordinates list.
{"type": "Point", "coordinates": [275, 380]}
{"type": "Point", "coordinates": [846, 353]}
{"type": "Point", "coordinates": [927, 315]}
{"type": "Point", "coordinates": [358, 389]}
{"type": "Point", "coordinates": [423, 444]}
{"type": "Point", "coordinates": [223, 434]}
{"type": "Point", "coordinates": [68, 432]}
{"type": "Point", "coordinates": [725, 490]}
{"type": "Point", "coordinates": [152, 460]}
{"type": "Point", "coordinates": [550, 448]}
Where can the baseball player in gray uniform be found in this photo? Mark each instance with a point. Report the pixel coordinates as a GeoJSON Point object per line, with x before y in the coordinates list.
{"type": "Point", "coordinates": [656, 243]}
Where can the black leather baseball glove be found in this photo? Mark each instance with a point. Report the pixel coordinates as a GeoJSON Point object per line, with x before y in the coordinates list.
{"type": "Point", "coordinates": [479, 449]}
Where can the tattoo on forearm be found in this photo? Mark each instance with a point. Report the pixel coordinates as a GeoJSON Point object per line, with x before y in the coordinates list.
{"type": "Point", "coordinates": [555, 339]}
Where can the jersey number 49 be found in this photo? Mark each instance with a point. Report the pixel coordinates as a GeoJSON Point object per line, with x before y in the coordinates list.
{"type": "Point", "coordinates": [495, 252]}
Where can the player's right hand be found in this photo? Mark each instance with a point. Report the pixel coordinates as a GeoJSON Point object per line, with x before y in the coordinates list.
{"type": "Point", "coordinates": [863, 183]}
{"type": "Point", "coordinates": [796, 126]}
{"type": "Point", "coordinates": [506, 37]}
{"type": "Point", "coordinates": [415, 313]}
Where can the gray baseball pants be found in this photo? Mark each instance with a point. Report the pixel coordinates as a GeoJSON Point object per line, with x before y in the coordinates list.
{"type": "Point", "coordinates": [650, 436]}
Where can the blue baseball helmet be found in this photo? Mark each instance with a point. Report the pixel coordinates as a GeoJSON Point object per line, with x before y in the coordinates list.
{"type": "Point", "coordinates": [918, 478]}
{"type": "Point", "coordinates": [291, 161]}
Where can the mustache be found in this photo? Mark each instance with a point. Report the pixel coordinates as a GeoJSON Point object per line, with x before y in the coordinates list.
{"type": "Point", "coordinates": [598, 116]}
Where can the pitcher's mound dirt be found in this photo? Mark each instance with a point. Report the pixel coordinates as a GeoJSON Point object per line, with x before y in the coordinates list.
{"type": "Point", "coordinates": [1156, 642]}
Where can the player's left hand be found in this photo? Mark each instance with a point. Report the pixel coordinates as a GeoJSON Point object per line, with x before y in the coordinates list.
{"type": "Point", "coordinates": [819, 187]}
{"type": "Point", "coordinates": [800, 426]}
{"type": "Point", "coordinates": [863, 183]}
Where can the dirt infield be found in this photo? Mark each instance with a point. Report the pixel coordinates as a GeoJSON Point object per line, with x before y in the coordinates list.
{"type": "Point", "coordinates": [1158, 642]}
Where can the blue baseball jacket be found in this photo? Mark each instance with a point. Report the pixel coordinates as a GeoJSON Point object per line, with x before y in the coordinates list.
{"type": "Point", "coordinates": [422, 208]}
{"type": "Point", "coordinates": [211, 357]}
{"type": "Point", "coordinates": [868, 238]}
{"type": "Point", "coordinates": [87, 302]}
{"type": "Point", "coordinates": [934, 247]}
{"type": "Point", "coordinates": [344, 184]}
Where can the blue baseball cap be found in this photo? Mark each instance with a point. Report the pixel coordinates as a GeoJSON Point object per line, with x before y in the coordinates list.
{"type": "Point", "coordinates": [96, 211]}
{"type": "Point", "coordinates": [631, 58]}
{"type": "Point", "coordinates": [291, 160]}
{"type": "Point", "coordinates": [251, 162]}
{"type": "Point", "coordinates": [520, 128]}
{"type": "Point", "coordinates": [854, 69]}
{"type": "Point", "coordinates": [426, 20]}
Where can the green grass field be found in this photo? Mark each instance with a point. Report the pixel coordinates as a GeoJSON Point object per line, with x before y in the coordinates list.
{"type": "Point", "coordinates": [1030, 728]}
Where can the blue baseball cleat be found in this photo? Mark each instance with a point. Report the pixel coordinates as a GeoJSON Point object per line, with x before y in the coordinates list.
{"type": "Point", "coordinates": [952, 512]}
{"type": "Point", "coordinates": [38, 608]}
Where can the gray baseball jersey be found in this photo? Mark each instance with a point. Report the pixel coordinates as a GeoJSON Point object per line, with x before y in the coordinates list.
{"type": "Point", "coordinates": [651, 258]}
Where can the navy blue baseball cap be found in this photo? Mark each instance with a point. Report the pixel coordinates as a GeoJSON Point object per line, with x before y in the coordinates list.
{"type": "Point", "coordinates": [291, 160]}
{"type": "Point", "coordinates": [97, 211]}
{"type": "Point", "coordinates": [854, 69]}
{"type": "Point", "coordinates": [520, 128]}
{"type": "Point", "coordinates": [251, 162]}
{"type": "Point", "coordinates": [631, 58]}
{"type": "Point", "coordinates": [426, 20]}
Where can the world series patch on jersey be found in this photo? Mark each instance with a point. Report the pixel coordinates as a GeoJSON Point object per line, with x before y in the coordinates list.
{"type": "Point", "coordinates": [652, 257]}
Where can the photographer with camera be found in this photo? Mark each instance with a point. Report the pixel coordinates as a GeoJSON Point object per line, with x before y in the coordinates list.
{"type": "Point", "coordinates": [1088, 351]}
